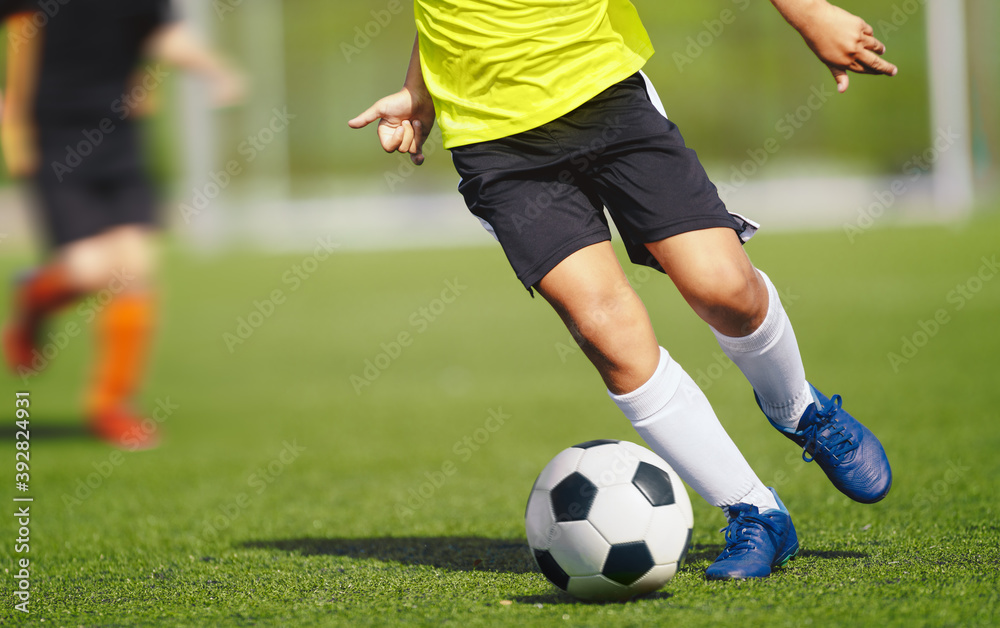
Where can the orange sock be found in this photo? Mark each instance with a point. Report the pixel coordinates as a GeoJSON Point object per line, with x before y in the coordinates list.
{"type": "Point", "coordinates": [42, 293]}
{"type": "Point", "coordinates": [45, 291]}
{"type": "Point", "coordinates": [123, 329]}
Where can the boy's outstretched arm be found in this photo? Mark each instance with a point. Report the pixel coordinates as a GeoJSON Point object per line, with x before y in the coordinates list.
{"type": "Point", "coordinates": [18, 135]}
{"type": "Point", "coordinates": [406, 117]}
{"type": "Point", "coordinates": [841, 40]}
{"type": "Point", "coordinates": [175, 44]}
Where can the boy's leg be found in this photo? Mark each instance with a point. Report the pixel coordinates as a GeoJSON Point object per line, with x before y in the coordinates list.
{"type": "Point", "coordinates": [740, 303]}
{"type": "Point", "coordinates": [591, 294]}
{"type": "Point", "coordinates": [121, 262]}
{"type": "Point", "coordinates": [118, 266]}
{"type": "Point", "coordinates": [742, 306]}
{"type": "Point", "coordinates": [44, 291]}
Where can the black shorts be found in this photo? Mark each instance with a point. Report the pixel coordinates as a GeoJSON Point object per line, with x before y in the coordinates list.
{"type": "Point", "coordinates": [86, 187]}
{"type": "Point", "coordinates": [542, 192]}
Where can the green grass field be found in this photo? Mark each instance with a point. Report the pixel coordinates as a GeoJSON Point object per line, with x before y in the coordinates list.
{"type": "Point", "coordinates": [284, 493]}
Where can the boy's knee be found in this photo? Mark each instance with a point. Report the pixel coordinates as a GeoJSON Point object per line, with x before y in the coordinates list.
{"type": "Point", "coordinates": [125, 258]}
{"type": "Point", "coordinates": [610, 308]}
{"type": "Point", "coordinates": [732, 299]}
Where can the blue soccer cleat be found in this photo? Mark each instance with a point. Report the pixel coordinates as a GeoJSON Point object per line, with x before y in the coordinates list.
{"type": "Point", "coordinates": [846, 450]}
{"type": "Point", "coordinates": [756, 543]}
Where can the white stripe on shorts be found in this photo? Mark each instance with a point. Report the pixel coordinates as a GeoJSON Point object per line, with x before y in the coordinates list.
{"type": "Point", "coordinates": [748, 227]}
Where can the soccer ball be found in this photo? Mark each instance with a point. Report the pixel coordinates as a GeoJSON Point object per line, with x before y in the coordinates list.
{"type": "Point", "coordinates": [608, 520]}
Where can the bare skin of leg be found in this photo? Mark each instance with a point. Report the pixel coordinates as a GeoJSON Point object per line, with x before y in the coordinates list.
{"type": "Point", "coordinates": [716, 278]}
{"type": "Point", "coordinates": [590, 293]}
{"type": "Point", "coordinates": [123, 255]}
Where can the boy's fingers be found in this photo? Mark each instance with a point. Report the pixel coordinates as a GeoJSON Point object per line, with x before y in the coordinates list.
{"type": "Point", "coordinates": [870, 43]}
{"type": "Point", "coordinates": [842, 79]}
{"type": "Point", "coordinates": [370, 115]}
{"type": "Point", "coordinates": [418, 136]}
{"type": "Point", "coordinates": [391, 141]}
{"type": "Point", "coordinates": [416, 152]}
{"type": "Point", "coordinates": [874, 64]}
{"type": "Point", "coordinates": [406, 142]}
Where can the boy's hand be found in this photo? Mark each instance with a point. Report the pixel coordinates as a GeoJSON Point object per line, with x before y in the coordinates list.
{"type": "Point", "coordinates": [20, 149]}
{"type": "Point", "coordinates": [405, 121]}
{"type": "Point", "coordinates": [840, 39]}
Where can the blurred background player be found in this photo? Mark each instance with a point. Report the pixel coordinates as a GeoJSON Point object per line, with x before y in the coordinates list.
{"type": "Point", "coordinates": [74, 91]}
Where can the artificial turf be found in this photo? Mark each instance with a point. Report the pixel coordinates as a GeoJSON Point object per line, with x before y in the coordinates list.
{"type": "Point", "coordinates": [289, 493]}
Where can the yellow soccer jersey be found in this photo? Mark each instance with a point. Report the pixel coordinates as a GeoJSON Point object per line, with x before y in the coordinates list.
{"type": "Point", "coordinates": [500, 67]}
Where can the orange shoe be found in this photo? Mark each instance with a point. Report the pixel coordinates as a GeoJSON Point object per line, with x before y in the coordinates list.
{"type": "Point", "coordinates": [19, 346]}
{"type": "Point", "coordinates": [121, 428]}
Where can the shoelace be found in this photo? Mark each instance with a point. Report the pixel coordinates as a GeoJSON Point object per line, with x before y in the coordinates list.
{"type": "Point", "coordinates": [837, 441]}
{"type": "Point", "coordinates": [742, 535]}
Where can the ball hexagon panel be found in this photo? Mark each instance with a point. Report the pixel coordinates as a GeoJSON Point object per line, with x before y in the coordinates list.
{"type": "Point", "coordinates": [621, 514]}
{"type": "Point", "coordinates": [572, 497]}
{"type": "Point", "coordinates": [578, 548]}
{"type": "Point", "coordinates": [627, 562]}
{"type": "Point", "coordinates": [669, 533]}
{"type": "Point", "coordinates": [551, 569]}
{"type": "Point", "coordinates": [608, 465]}
{"type": "Point", "coordinates": [558, 468]}
{"type": "Point", "coordinates": [538, 519]}
{"type": "Point", "coordinates": [654, 483]}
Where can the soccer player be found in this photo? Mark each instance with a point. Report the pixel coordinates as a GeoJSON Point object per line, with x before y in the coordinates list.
{"type": "Point", "coordinates": [549, 120]}
{"type": "Point", "coordinates": [69, 123]}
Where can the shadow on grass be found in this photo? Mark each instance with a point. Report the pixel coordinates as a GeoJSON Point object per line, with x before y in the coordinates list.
{"type": "Point", "coordinates": [59, 431]}
{"type": "Point", "coordinates": [445, 552]}
{"type": "Point", "coordinates": [559, 597]}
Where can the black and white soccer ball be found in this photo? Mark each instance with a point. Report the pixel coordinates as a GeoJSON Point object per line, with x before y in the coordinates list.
{"type": "Point", "coordinates": [608, 520]}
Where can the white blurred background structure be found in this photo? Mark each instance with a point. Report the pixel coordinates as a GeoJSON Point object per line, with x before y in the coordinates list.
{"type": "Point", "coordinates": [297, 63]}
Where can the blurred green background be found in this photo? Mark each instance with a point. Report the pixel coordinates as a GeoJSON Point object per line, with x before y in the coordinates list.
{"type": "Point", "coordinates": [728, 71]}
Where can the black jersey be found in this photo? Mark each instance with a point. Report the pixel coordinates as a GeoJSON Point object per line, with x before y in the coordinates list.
{"type": "Point", "coordinates": [90, 51]}
{"type": "Point", "coordinates": [10, 7]}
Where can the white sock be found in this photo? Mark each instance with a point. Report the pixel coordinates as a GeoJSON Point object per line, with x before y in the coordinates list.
{"type": "Point", "coordinates": [674, 417]}
{"type": "Point", "coordinates": [770, 359]}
